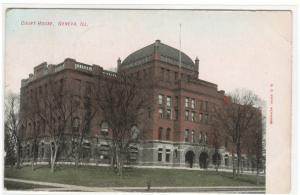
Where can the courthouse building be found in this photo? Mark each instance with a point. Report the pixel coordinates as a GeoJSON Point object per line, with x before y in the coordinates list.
{"type": "Point", "coordinates": [179, 131]}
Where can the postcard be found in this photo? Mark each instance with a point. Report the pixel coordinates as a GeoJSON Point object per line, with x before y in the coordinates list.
{"type": "Point", "coordinates": [147, 99]}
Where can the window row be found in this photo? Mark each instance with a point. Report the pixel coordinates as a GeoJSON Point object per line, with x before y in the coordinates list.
{"type": "Point", "coordinates": [196, 117]}
{"type": "Point", "coordinates": [141, 74]}
{"type": "Point", "coordinates": [164, 134]}
{"type": "Point", "coordinates": [169, 75]}
{"type": "Point", "coordinates": [167, 155]}
{"type": "Point", "coordinates": [58, 85]}
{"type": "Point", "coordinates": [191, 103]}
{"type": "Point", "coordinates": [167, 100]}
{"type": "Point", "coordinates": [188, 102]}
{"type": "Point", "coordinates": [167, 114]}
{"type": "Point", "coordinates": [189, 136]}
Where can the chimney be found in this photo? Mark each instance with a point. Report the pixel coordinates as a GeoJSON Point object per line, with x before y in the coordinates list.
{"type": "Point", "coordinates": [119, 64]}
{"type": "Point", "coordinates": [196, 67]}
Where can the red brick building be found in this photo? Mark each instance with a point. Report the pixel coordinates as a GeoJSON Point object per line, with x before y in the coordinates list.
{"type": "Point", "coordinates": [179, 130]}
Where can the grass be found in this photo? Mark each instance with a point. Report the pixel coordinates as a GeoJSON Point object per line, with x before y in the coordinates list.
{"type": "Point", "coordinates": [11, 185]}
{"type": "Point", "coordinates": [132, 177]}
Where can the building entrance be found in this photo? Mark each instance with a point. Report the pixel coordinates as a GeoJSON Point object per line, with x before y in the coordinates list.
{"type": "Point", "coordinates": [203, 160]}
{"type": "Point", "coordinates": [189, 158]}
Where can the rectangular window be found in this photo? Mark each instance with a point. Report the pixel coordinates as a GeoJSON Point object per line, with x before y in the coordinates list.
{"type": "Point", "coordinates": [201, 105]}
{"type": "Point", "coordinates": [187, 113]}
{"type": "Point", "coordinates": [200, 137]}
{"type": "Point", "coordinates": [169, 101]}
{"type": "Point", "coordinates": [160, 132]}
{"type": "Point", "coordinates": [77, 85]}
{"type": "Point", "coordinates": [168, 75]}
{"type": "Point", "coordinates": [193, 116]}
{"type": "Point", "coordinates": [168, 153]}
{"type": "Point", "coordinates": [193, 103]}
{"type": "Point", "coordinates": [206, 118]}
{"type": "Point", "coordinates": [186, 135]}
{"type": "Point", "coordinates": [168, 114]}
{"type": "Point", "coordinates": [168, 134]}
{"type": "Point", "coordinates": [88, 88]}
{"type": "Point", "coordinates": [160, 99]}
{"type": "Point", "coordinates": [187, 102]}
{"type": "Point", "coordinates": [193, 136]}
{"type": "Point", "coordinates": [200, 117]}
{"type": "Point", "coordinates": [176, 114]}
{"type": "Point", "coordinates": [162, 72]}
{"type": "Point", "coordinates": [176, 75]}
{"type": "Point", "coordinates": [159, 155]}
{"type": "Point", "coordinates": [206, 106]}
{"type": "Point", "coordinates": [160, 112]}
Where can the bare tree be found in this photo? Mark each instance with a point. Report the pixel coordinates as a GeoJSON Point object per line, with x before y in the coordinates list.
{"type": "Point", "coordinates": [124, 102]}
{"type": "Point", "coordinates": [81, 125]}
{"type": "Point", "coordinates": [237, 117]}
{"type": "Point", "coordinates": [216, 137]}
{"type": "Point", "coordinates": [255, 144]}
{"type": "Point", "coordinates": [12, 124]}
{"type": "Point", "coordinates": [32, 117]}
{"type": "Point", "coordinates": [55, 110]}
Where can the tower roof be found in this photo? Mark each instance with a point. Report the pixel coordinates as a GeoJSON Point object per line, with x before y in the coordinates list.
{"type": "Point", "coordinates": [166, 53]}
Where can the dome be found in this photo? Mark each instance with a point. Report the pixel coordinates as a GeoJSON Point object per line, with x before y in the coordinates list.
{"type": "Point", "coordinates": [167, 54]}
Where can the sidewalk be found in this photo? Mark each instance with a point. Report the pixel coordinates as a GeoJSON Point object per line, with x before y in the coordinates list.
{"type": "Point", "coordinates": [67, 187]}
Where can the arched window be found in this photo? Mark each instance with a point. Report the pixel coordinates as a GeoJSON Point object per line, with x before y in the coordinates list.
{"type": "Point", "coordinates": [134, 132]}
{"type": "Point", "coordinates": [104, 128]}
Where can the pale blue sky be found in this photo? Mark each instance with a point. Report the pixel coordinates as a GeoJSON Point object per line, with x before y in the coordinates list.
{"type": "Point", "coordinates": [237, 49]}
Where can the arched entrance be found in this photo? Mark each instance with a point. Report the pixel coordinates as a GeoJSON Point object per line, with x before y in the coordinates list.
{"type": "Point", "coordinates": [203, 160]}
{"type": "Point", "coordinates": [189, 158]}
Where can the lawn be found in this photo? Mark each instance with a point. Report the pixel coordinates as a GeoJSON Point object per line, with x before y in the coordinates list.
{"type": "Point", "coordinates": [132, 177]}
{"type": "Point", "coordinates": [11, 185]}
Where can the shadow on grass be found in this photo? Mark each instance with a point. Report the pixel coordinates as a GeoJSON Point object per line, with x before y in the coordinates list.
{"type": "Point", "coordinates": [244, 178]}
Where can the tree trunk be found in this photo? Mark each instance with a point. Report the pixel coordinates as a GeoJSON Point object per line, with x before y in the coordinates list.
{"type": "Point", "coordinates": [119, 159]}
{"type": "Point", "coordinates": [53, 158]}
{"type": "Point", "coordinates": [18, 155]}
{"type": "Point", "coordinates": [233, 165]}
{"type": "Point", "coordinates": [238, 154]}
{"type": "Point", "coordinates": [77, 157]}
